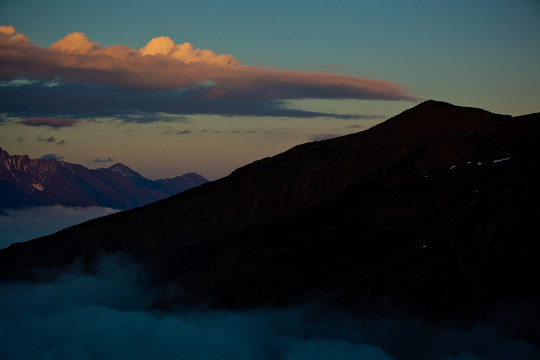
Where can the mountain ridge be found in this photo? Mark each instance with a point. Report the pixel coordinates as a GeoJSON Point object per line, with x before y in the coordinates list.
{"type": "Point", "coordinates": [28, 182]}
{"type": "Point", "coordinates": [436, 208]}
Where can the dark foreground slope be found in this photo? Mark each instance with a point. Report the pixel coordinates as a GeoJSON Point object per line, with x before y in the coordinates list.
{"type": "Point", "coordinates": [436, 208]}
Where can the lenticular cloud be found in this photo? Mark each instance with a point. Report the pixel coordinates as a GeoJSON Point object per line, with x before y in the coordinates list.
{"type": "Point", "coordinates": [164, 65]}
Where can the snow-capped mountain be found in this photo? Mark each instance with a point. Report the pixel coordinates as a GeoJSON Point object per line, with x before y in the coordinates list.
{"type": "Point", "coordinates": [25, 181]}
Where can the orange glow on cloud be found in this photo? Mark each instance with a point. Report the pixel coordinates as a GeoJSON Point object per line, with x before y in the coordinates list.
{"type": "Point", "coordinates": [75, 43]}
{"type": "Point", "coordinates": [9, 33]}
{"type": "Point", "coordinates": [49, 121]}
{"type": "Point", "coordinates": [163, 65]}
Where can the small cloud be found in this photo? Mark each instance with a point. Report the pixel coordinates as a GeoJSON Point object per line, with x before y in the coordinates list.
{"type": "Point", "coordinates": [246, 132]}
{"type": "Point", "coordinates": [17, 82]}
{"type": "Point", "coordinates": [107, 160]}
{"type": "Point", "coordinates": [146, 117]}
{"type": "Point", "coordinates": [177, 132]}
{"type": "Point", "coordinates": [62, 143]}
{"type": "Point", "coordinates": [50, 139]}
{"type": "Point", "coordinates": [210, 131]}
{"type": "Point", "coordinates": [54, 82]}
{"type": "Point", "coordinates": [52, 157]}
{"type": "Point", "coordinates": [49, 121]}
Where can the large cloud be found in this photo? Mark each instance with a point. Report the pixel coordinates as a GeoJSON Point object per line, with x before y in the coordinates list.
{"type": "Point", "coordinates": [164, 65]}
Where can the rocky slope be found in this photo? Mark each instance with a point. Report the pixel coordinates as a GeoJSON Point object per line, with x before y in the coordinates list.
{"type": "Point", "coordinates": [25, 181]}
{"type": "Point", "coordinates": [437, 209]}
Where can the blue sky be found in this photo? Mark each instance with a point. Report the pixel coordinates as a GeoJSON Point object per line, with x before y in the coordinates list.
{"type": "Point", "coordinates": [471, 53]}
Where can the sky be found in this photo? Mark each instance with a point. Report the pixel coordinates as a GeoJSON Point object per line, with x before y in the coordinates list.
{"type": "Point", "coordinates": [169, 87]}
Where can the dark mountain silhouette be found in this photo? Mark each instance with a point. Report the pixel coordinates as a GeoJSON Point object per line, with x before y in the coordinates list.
{"type": "Point", "coordinates": [437, 208]}
{"type": "Point", "coordinates": [25, 181]}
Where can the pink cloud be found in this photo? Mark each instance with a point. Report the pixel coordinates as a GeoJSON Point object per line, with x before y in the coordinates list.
{"type": "Point", "coordinates": [163, 65]}
{"type": "Point", "coordinates": [49, 121]}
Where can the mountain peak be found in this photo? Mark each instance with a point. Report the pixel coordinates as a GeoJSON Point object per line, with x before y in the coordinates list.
{"type": "Point", "coordinates": [430, 106]}
{"type": "Point", "coordinates": [435, 104]}
{"type": "Point", "coordinates": [424, 210]}
{"type": "Point", "coordinates": [25, 181]}
{"type": "Point", "coordinates": [119, 166]}
{"type": "Point", "coordinates": [436, 119]}
{"type": "Point", "coordinates": [124, 170]}
{"type": "Point", "coordinates": [3, 153]}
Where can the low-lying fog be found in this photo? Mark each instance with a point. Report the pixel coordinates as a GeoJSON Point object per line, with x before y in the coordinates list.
{"type": "Point", "coordinates": [33, 222]}
{"type": "Point", "coordinates": [109, 315]}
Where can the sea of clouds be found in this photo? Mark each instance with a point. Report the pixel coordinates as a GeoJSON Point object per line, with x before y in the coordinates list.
{"type": "Point", "coordinates": [111, 314]}
{"type": "Point", "coordinates": [32, 222]}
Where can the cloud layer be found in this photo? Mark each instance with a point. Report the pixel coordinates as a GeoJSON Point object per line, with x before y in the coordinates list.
{"type": "Point", "coordinates": [109, 315]}
{"type": "Point", "coordinates": [136, 105]}
{"type": "Point", "coordinates": [179, 72]}
{"type": "Point", "coordinates": [164, 65]}
{"type": "Point", "coordinates": [26, 224]}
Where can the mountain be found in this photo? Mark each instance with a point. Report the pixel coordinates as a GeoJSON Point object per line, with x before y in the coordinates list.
{"type": "Point", "coordinates": [25, 181]}
{"type": "Point", "coordinates": [436, 209]}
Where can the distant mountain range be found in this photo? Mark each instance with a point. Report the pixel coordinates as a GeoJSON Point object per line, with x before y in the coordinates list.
{"type": "Point", "coordinates": [437, 209]}
{"type": "Point", "coordinates": [25, 182]}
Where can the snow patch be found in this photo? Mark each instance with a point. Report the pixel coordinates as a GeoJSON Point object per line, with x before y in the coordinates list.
{"type": "Point", "coordinates": [503, 159]}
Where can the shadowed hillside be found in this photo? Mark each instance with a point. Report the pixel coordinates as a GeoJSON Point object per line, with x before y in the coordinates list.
{"type": "Point", "coordinates": [437, 208]}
